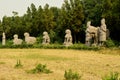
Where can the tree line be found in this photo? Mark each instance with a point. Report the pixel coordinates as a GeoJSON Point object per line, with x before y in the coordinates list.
{"type": "Point", "coordinates": [73, 15]}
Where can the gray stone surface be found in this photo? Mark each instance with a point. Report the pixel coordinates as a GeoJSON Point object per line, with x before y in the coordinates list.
{"type": "Point", "coordinates": [3, 38]}
{"type": "Point", "coordinates": [91, 34]}
{"type": "Point", "coordinates": [102, 32]}
{"type": "Point", "coordinates": [46, 38]}
{"type": "Point", "coordinates": [29, 39]}
{"type": "Point", "coordinates": [68, 38]}
{"type": "Point", "coordinates": [17, 41]}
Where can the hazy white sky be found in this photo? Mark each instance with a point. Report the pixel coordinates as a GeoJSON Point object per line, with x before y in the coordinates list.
{"type": "Point", "coordinates": [20, 6]}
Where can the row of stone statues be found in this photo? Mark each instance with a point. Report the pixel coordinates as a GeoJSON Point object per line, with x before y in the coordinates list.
{"type": "Point", "coordinates": [31, 40]}
{"type": "Point", "coordinates": [94, 36]}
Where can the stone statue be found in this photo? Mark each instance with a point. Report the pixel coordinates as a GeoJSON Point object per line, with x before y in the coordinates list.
{"type": "Point", "coordinates": [3, 38]}
{"type": "Point", "coordinates": [29, 39]}
{"type": "Point", "coordinates": [102, 32]}
{"type": "Point", "coordinates": [88, 37]}
{"type": "Point", "coordinates": [68, 38]}
{"type": "Point", "coordinates": [46, 38]}
{"type": "Point", "coordinates": [91, 34]}
{"type": "Point", "coordinates": [17, 41]}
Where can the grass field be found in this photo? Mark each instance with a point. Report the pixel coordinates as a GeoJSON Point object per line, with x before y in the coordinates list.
{"type": "Point", "coordinates": [92, 65]}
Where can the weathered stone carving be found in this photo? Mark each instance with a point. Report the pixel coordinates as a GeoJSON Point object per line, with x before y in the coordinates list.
{"type": "Point", "coordinates": [3, 38]}
{"type": "Point", "coordinates": [17, 41]}
{"type": "Point", "coordinates": [29, 39]}
{"type": "Point", "coordinates": [46, 38]}
{"type": "Point", "coordinates": [68, 38]}
{"type": "Point", "coordinates": [88, 37]}
{"type": "Point", "coordinates": [102, 32]}
{"type": "Point", "coordinates": [91, 34]}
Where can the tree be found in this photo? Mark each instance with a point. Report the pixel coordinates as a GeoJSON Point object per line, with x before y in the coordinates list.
{"type": "Point", "coordinates": [112, 15]}
{"type": "Point", "coordinates": [27, 20]}
{"type": "Point", "coordinates": [48, 18]}
{"type": "Point", "coordinates": [73, 17]}
{"type": "Point", "coordinates": [6, 24]}
{"type": "Point", "coordinates": [1, 29]}
{"type": "Point", "coordinates": [93, 11]}
{"type": "Point", "coordinates": [56, 33]}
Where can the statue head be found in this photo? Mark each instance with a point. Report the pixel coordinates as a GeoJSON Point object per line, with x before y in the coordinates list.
{"type": "Point", "coordinates": [88, 23]}
{"type": "Point", "coordinates": [68, 31]}
{"type": "Point", "coordinates": [26, 34]}
{"type": "Point", "coordinates": [15, 36]}
{"type": "Point", "coordinates": [3, 33]}
{"type": "Point", "coordinates": [45, 33]}
{"type": "Point", "coordinates": [103, 21]}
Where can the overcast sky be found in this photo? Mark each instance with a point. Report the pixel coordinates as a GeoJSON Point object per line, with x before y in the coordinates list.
{"type": "Point", "coordinates": [20, 6]}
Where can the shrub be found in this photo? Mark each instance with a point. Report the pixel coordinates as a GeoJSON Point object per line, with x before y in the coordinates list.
{"type": "Point", "coordinates": [78, 46]}
{"type": "Point", "coordinates": [112, 76]}
{"type": "Point", "coordinates": [40, 69]}
{"type": "Point", "coordinates": [82, 47]}
{"type": "Point", "coordinates": [69, 75]}
{"type": "Point", "coordinates": [18, 64]}
{"type": "Point", "coordinates": [110, 43]}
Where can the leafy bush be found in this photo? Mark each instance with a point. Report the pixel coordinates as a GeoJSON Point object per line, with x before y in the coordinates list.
{"type": "Point", "coordinates": [110, 43]}
{"type": "Point", "coordinates": [53, 46]}
{"type": "Point", "coordinates": [78, 46]}
{"type": "Point", "coordinates": [112, 76]}
{"type": "Point", "coordinates": [18, 64]}
{"type": "Point", "coordinates": [69, 75]}
{"type": "Point", "coordinates": [40, 69]}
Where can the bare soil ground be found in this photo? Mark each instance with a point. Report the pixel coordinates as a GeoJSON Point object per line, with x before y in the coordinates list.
{"type": "Point", "coordinates": [92, 65]}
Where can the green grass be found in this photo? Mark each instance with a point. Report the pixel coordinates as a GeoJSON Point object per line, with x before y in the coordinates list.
{"type": "Point", "coordinates": [112, 76]}
{"type": "Point", "coordinates": [40, 68]}
{"type": "Point", "coordinates": [79, 46]}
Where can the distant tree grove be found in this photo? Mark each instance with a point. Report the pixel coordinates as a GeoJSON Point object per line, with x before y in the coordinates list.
{"type": "Point", "coordinates": [72, 15]}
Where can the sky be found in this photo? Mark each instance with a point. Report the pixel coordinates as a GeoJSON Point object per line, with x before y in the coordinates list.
{"type": "Point", "coordinates": [20, 6]}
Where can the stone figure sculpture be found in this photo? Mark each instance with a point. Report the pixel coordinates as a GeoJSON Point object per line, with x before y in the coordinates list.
{"type": "Point", "coordinates": [3, 38]}
{"type": "Point", "coordinates": [46, 38]}
{"type": "Point", "coordinates": [88, 37]}
{"type": "Point", "coordinates": [68, 38]}
{"type": "Point", "coordinates": [102, 32]}
{"type": "Point", "coordinates": [29, 39]}
{"type": "Point", "coordinates": [17, 41]}
{"type": "Point", "coordinates": [91, 34]}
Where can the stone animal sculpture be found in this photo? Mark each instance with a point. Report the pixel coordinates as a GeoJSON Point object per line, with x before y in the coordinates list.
{"type": "Point", "coordinates": [91, 34]}
{"type": "Point", "coordinates": [46, 38]}
{"type": "Point", "coordinates": [17, 41]}
{"type": "Point", "coordinates": [68, 38]}
{"type": "Point", "coordinates": [29, 39]}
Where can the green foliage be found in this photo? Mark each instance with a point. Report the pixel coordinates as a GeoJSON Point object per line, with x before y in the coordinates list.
{"type": "Point", "coordinates": [40, 69]}
{"type": "Point", "coordinates": [18, 64]}
{"type": "Point", "coordinates": [9, 44]}
{"type": "Point", "coordinates": [78, 46]}
{"type": "Point", "coordinates": [110, 43]}
{"type": "Point", "coordinates": [82, 47]}
{"type": "Point", "coordinates": [93, 10]}
{"type": "Point", "coordinates": [69, 75]}
{"type": "Point", "coordinates": [112, 15]}
{"type": "Point", "coordinates": [112, 76]}
{"type": "Point", "coordinates": [73, 17]}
